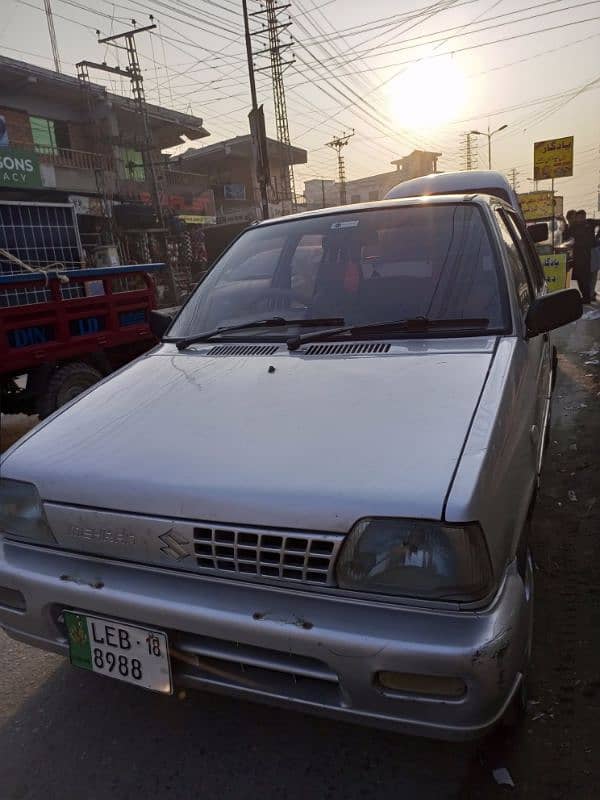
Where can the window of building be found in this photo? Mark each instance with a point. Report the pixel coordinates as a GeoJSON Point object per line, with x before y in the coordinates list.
{"type": "Point", "coordinates": [134, 164]}
{"type": "Point", "coordinates": [374, 195]}
{"type": "Point", "coordinates": [355, 198]}
{"type": "Point", "coordinates": [50, 135]}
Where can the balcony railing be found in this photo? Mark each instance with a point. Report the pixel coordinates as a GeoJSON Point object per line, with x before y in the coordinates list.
{"type": "Point", "coordinates": [64, 157]}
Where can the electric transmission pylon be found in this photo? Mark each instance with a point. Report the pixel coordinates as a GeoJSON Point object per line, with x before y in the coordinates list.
{"type": "Point", "coordinates": [275, 49]}
{"type": "Point", "coordinates": [337, 143]}
{"type": "Point", "coordinates": [469, 152]}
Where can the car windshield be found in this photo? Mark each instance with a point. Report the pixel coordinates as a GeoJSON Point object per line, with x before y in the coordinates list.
{"type": "Point", "coordinates": [363, 266]}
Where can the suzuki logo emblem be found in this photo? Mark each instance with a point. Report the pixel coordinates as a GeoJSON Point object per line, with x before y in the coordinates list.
{"type": "Point", "coordinates": [175, 546]}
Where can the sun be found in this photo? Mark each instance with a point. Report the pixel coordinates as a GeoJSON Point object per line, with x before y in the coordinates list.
{"type": "Point", "coordinates": [431, 93]}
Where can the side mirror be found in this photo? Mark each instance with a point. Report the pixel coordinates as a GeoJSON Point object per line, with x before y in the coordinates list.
{"type": "Point", "coordinates": [160, 319]}
{"type": "Point", "coordinates": [539, 232]}
{"type": "Point", "coordinates": [553, 310]}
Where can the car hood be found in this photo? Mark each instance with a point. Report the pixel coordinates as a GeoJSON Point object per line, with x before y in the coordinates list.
{"type": "Point", "coordinates": [289, 440]}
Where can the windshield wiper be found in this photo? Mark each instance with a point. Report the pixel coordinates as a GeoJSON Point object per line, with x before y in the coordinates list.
{"type": "Point", "coordinates": [416, 325]}
{"type": "Point", "coordinates": [271, 322]}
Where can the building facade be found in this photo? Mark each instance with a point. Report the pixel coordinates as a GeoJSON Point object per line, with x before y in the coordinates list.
{"type": "Point", "coordinates": [324, 193]}
{"type": "Point", "coordinates": [66, 143]}
{"type": "Point", "coordinates": [228, 167]}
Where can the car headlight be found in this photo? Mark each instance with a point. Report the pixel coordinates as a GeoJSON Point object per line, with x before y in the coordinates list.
{"type": "Point", "coordinates": [416, 558]}
{"type": "Point", "coordinates": [21, 512]}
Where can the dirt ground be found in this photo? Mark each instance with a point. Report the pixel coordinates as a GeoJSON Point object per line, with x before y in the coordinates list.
{"type": "Point", "coordinates": [554, 755]}
{"type": "Point", "coordinates": [12, 427]}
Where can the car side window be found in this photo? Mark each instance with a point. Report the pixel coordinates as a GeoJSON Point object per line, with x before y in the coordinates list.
{"type": "Point", "coordinates": [530, 256]}
{"type": "Point", "coordinates": [517, 265]}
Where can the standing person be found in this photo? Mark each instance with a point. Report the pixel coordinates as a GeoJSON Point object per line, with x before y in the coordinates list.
{"type": "Point", "coordinates": [568, 233]}
{"type": "Point", "coordinates": [582, 231]}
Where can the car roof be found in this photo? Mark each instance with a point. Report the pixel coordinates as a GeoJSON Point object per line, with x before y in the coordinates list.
{"type": "Point", "coordinates": [470, 181]}
{"type": "Point", "coordinates": [482, 199]}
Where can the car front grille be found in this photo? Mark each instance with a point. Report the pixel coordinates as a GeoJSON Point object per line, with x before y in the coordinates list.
{"type": "Point", "coordinates": [303, 557]}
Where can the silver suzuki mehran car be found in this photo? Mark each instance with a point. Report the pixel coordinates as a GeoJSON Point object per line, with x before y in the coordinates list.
{"type": "Point", "coordinates": [315, 492]}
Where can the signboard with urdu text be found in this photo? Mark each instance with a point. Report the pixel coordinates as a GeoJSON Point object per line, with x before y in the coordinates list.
{"type": "Point", "coordinates": [19, 168]}
{"type": "Point", "coordinates": [555, 270]}
{"type": "Point", "coordinates": [538, 205]}
{"type": "Point", "coordinates": [553, 158]}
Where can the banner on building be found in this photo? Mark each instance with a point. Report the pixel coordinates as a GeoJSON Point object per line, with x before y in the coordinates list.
{"type": "Point", "coordinates": [555, 270]}
{"type": "Point", "coordinates": [553, 158]}
{"type": "Point", "coordinates": [200, 203]}
{"type": "Point", "coordinates": [538, 205]}
{"type": "Point", "coordinates": [19, 168]}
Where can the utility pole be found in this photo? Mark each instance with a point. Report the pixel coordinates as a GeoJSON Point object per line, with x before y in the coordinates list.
{"type": "Point", "coordinates": [275, 48]}
{"type": "Point", "coordinates": [99, 158]}
{"type": "Point", "coordinates": [137, 89]}
{"type": "Point", "coordinates": [337, 143]}
{"type": "Point", "coordinates": [52, 32]}
{"type": "Point", "coordinates": [134, 73]}
{"type": "Point", "coordinates": [257, 124]}
{"type": "Point", "coordinates": [513, 176]}
{"type": "Point", "coordinates": [469, 151]}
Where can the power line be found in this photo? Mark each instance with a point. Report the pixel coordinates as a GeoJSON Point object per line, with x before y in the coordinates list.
{"type": "Point", "coordinates": [52, 33]}
{"type": "Point", "coordinates": [414, 42]}
{"type": "Point", "coordinates": [441, 5]}
{"type": "Point", "coordinates": [477, 46]}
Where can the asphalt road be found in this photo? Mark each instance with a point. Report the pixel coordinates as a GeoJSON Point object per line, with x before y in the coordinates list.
{"type": "Point", "coordinates": [69, 734]}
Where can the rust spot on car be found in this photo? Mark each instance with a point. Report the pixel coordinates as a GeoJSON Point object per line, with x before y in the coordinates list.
{"type": "Point", "coordinates": [293, 619]}
{"type": "Point", "coordinates": [81, 582]}
{"type": "Point", "coordinates": [494, 650]}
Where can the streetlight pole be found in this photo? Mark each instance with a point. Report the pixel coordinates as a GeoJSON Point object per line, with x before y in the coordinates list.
{"type": "Point", "coordinates": [489, 135]}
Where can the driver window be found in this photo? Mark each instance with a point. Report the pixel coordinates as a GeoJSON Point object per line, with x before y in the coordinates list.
{"type": "Point", "coordinates": [517, 266]}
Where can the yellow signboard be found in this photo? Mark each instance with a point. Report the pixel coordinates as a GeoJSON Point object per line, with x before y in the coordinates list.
{"type": "Point", "coordinates": [536, 205]}
{"type": "Point", "coordinates": [553, 158]}
{"type": "Point", "coordinates": [555, 270]}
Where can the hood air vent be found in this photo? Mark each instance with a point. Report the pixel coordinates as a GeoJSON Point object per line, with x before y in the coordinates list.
{"type": "Point", "coordinates": [346, 349]}
{"type": "Point", "coordinates": [243, 350]}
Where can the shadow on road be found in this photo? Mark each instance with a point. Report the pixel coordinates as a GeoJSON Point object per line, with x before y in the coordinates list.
{"type": "Point", "coordinates": [81, 735]}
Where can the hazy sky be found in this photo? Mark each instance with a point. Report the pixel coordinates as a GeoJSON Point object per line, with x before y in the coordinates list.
{"type": "Point", "coordinates": [402, 73]}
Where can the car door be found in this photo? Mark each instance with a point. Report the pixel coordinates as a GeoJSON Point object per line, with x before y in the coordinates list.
{"type": "Point", "coordinates": [534, 354]}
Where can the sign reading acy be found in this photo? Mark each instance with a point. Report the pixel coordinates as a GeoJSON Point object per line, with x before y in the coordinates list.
{"type": "Point", "coordinates": [19, 168]}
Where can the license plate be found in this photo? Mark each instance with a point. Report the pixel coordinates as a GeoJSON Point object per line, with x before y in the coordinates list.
{"type": "Point", "coordinates": [125, 652]}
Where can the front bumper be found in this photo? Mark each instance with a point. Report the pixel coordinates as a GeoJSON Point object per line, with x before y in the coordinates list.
{"type": "Point", "coordinates": [307, 651]}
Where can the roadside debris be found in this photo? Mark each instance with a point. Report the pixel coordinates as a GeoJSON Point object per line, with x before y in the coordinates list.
{"type": "Point", "coordinates": [593, 313]}
{"type": "Point", "coordinates": [502, 777]}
